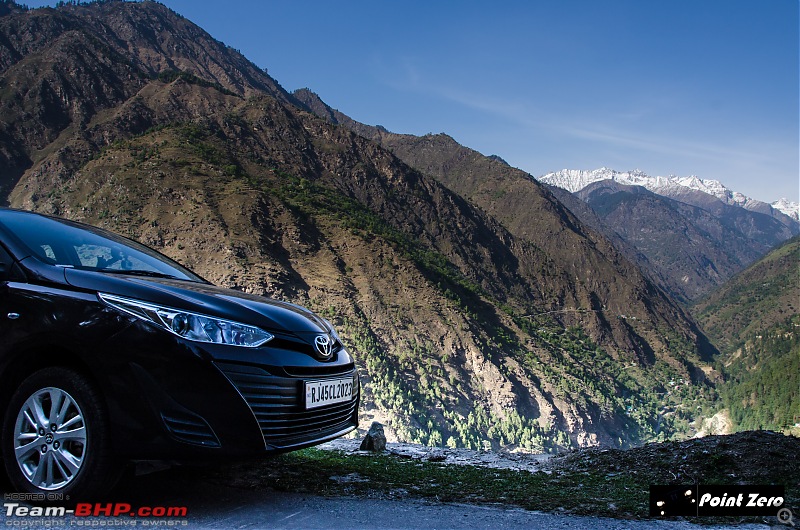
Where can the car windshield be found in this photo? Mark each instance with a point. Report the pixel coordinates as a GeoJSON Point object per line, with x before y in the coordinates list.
{"type": "Point", "coordinates": [65, 244]}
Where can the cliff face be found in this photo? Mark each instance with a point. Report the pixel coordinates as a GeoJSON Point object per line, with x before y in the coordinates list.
{"type": "Point", "coordinates": [480, 308]}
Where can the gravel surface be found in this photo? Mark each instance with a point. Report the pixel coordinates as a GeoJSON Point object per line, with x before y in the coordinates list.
{"type": "Point", "coordinates": [497, 460]}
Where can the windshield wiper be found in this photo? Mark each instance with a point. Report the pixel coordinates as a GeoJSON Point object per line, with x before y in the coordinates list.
{"type": "Point", "coordinates": [138, 272]}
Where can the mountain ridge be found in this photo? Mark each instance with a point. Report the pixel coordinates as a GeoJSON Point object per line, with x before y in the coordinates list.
{"type": "Point", "coordinates": [686, 273]}
{"type": "Point", "coordinates": [672, 187]}
{"type": "Point", "coordinates": [479, 178]}
{"type": "Point", "coordinates": [696, 248]}
{"type": "Point", "coordinates": [693, 239]}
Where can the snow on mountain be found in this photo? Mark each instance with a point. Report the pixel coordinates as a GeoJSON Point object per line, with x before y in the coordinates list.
{"type": "Point", "coordinates": [574, 180]}
{"type": "Point", "coordinates": [792, 209]}
{"type": "Point", "coordinates": [674, 187]}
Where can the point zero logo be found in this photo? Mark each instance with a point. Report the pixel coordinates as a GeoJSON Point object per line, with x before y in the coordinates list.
{"type": "Point", "coordinates": [705, 500]}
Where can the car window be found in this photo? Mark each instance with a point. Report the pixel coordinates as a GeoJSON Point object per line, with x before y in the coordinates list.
{"type": "Point", "coordinates": [101, 257]}
{"type": "Point", "coordinates": [108, 257]}
{"type": "Point", "coordinates": [66, 244]}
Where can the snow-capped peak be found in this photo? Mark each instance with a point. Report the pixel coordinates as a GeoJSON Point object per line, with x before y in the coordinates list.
{"type": "Point", "coordinates": [792, 209]}
{"type": "Point", "coordinates": [672, 186]}
{"type": "Point", "coordinates": [575, 180]}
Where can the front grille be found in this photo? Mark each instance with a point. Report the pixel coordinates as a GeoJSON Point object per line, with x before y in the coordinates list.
{"type": "Point", "coordinates": [277, 403]}
{"type": "Point", "coordinates": [317, 371]}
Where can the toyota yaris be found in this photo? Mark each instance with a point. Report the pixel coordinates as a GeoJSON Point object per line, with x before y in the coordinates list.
{"type": "Point", "coordinates": [111, 352]}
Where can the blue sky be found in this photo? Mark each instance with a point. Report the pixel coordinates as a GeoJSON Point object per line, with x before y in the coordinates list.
{"type": "Point", "coordinates": [684, 87]}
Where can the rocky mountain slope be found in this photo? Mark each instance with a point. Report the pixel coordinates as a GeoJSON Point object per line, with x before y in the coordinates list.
{"type": "Point", "coordinates": [693, 247]}
{"type": "Point", "coordinates": [508, 194]}
{"type": "Point", "coordinates": [755, 319]}
{"type": "Point", "coordinates": [695, 234]}
{"type": "Point", "coordinates": [686, 265]}
{"type": "Point", "coordinates": [481, 312]}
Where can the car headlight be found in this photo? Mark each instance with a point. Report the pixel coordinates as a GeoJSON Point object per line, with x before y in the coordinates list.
{"type": "Point", "coordinates": [191, 326]}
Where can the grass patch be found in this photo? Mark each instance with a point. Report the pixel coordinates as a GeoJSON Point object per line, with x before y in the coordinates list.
{"type": "Point", "coordinates": [601, 482]}
{"type": "Point", "coordinates": [332, 473]}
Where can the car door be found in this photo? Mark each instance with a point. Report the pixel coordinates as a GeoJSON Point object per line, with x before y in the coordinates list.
{"type": "Point", "coordinates": [7, 312]}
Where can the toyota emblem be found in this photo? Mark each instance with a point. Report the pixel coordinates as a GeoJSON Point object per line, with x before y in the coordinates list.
{"type": "Point", "coordinates": [324, 345]}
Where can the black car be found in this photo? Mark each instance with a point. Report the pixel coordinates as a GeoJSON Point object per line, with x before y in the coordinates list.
{"type": "Point", "coordinates": [111, 353]}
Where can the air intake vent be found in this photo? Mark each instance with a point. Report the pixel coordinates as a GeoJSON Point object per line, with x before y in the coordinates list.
{"type": "Point", "coordinates": [190, 428]}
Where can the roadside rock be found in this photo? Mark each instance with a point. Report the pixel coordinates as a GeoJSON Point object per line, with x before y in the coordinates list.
{"type": "Point", "coordinates": [375, 440]}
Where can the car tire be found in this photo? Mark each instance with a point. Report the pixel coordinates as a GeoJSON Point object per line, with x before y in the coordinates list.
{"type": "Point", "coordinates": [55, 439]}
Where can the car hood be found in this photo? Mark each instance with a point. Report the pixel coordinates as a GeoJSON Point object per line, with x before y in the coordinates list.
{"type": "Point", "coordinates": [203, 298]}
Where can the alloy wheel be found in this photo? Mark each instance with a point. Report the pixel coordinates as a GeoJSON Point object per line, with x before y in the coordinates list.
{"type": "Point", "coordinates": [50, 439]}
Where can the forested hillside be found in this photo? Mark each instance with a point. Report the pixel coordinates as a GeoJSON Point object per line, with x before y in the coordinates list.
{"type": "Point", "coordinates": [755, 319]}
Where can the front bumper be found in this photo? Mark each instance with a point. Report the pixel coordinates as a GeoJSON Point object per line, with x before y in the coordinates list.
{"type": "Point", "coordinates": [171, 399]}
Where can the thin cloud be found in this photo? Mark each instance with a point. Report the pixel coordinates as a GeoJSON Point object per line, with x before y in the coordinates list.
{"type": "Point", "coordinates": [669, 146]}
{"type": "Point", "coordinates": [628, 132]}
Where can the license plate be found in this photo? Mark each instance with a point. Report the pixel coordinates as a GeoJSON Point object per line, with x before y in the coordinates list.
{"type": "Point", "coordinates": [328, 392]}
